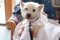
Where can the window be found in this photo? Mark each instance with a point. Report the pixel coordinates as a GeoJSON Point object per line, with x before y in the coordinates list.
{"type": "Point", "coordinates": [2, 12]}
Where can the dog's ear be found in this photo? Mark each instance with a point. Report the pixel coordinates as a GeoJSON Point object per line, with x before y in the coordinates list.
{"type": "Point", "coordinates": [41, 7]}
{"type": "Point", "coordinates": [21, 5]}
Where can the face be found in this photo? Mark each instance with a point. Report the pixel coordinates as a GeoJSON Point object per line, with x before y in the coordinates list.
{"type": "Point", "coordinates": [30, 10]}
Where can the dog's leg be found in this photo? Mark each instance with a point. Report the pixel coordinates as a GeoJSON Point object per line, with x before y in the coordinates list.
{"type": "Point", "coordinates": [21, 30]}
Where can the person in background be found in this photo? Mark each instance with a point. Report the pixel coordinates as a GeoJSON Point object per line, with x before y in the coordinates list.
{"type": "Point", "coordinates": [47, 9]}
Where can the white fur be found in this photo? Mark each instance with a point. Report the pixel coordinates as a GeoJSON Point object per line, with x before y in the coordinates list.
{"type": "Point", "coordinates": [42, 18]}
{"type": "Point", "coordinates": [31, 6]}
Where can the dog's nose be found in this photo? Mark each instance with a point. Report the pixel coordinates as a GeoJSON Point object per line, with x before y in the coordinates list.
{"type": "Point", "coordinates": [28, 15]}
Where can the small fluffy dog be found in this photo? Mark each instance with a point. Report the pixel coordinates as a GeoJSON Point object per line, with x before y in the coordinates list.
{"type": "Point", "coordinates": [42, 27]}
{"type": "Point", "coordinates": [32, 12]}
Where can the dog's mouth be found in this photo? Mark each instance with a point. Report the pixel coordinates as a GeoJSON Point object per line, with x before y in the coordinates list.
{"type": "Point", "coordinates": [32, 19]}
{"type": "Point", "coordinates": [29, 18]}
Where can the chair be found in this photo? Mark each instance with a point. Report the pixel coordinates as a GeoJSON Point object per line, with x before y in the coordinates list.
{"type": "Point", "coordinates": [11, 24]}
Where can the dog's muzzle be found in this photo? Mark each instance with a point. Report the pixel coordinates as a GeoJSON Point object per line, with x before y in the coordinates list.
{"type": "Point", "coordinates": [28, 15]}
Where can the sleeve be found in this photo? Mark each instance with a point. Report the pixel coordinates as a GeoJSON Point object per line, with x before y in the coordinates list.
{"type": "Point", "coordinates": [15, 18]}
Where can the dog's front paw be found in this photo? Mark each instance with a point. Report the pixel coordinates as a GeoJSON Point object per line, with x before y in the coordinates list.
{"type": "Point", "coordinates": [21, 30]}
{"type": "Point", "coordinates": [35, 33]}
{"type": "Point", "coordinates": [35, 30]}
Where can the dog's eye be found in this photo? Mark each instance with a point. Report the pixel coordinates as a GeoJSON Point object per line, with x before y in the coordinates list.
{"type": "Point", "coordinates": [26, 8]}
{"type": "Point", "coordinates": [34, 10]}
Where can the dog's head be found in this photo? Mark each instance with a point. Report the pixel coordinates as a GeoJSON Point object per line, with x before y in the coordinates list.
{"type": "Point", "coordinates": [31, 10]}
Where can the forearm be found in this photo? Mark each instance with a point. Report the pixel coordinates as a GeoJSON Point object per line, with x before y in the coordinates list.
{"type": "Point", "coordinates": [15, 18]}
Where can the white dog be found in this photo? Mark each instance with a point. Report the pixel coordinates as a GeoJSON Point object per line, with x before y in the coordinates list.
{"type": "Point", "coordinates": [43, 30]}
